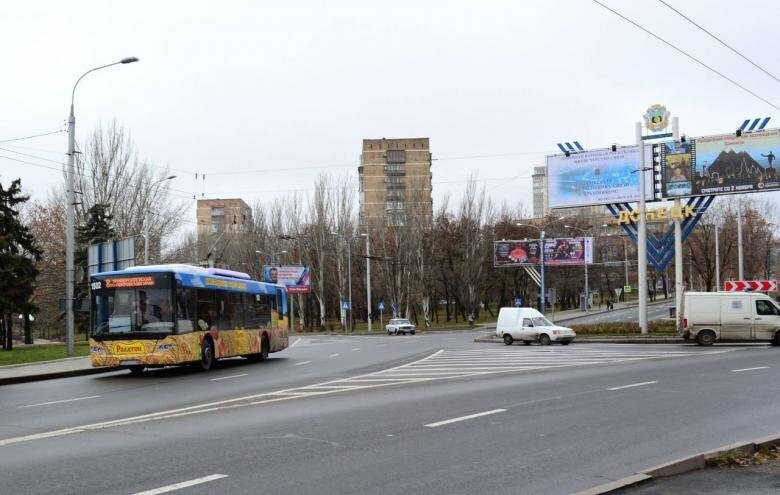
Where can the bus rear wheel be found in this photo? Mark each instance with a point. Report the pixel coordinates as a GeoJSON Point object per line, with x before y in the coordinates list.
{"type": "Point", "coordinates": [207, 355]}
{"type": "Point", "coordinates": [136, 369]}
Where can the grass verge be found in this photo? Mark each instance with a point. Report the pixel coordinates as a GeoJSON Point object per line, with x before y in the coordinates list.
{"type": "Point", "coordinates": [36, 353]}
{"type": "Point", "coordinates": [737, 458]}
{"type": "Point", "coordinates": [659, 327]}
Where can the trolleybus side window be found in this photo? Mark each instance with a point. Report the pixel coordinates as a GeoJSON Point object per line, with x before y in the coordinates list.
{"type": "Point", "coordinates": [206, 309]}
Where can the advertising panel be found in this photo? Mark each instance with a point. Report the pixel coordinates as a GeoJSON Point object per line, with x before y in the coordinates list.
{"type": "Point", "coordinates": [557, 251]}
{"type": "Point", "coordinates": [722, 164]}
{"type": "Point", "coordinates": [597, 177]}
{"type": "Point", "coordinates": [295, 277]}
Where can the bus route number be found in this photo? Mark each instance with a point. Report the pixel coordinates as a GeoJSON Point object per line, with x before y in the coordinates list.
{"type": "Point", "coordinates": [96, 285]}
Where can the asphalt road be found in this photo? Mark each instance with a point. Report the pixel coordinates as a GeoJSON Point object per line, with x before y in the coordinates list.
{"type": "Point", "coordinates": [433, 413]}
{"type": "Point", "coordinates": [655, 311]}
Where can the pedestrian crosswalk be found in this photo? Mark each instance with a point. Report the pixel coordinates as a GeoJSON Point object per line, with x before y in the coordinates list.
{"type": "Point", "coordinates": [447, 364]}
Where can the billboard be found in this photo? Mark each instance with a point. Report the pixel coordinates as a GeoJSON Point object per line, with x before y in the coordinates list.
{"type": "Point", "coordinates": [721, 164]}
{"type": "Point", "coordinates": [115, 254]}
{"type": "Point", "coordinates": [295, 277]}
{"type": "Point", "coordinates": [557, 251]}
{"type": "Point", "coordinates": [597, 177]}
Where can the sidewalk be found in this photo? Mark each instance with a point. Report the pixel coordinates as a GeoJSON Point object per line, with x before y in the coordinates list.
{"type": "Point", "coordinates": [45, 370]}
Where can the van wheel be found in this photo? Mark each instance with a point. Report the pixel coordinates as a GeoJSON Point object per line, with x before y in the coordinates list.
{"type": "Point", "coordinates": [565, 342]}
{"type": "Point", "coordinates": [526, 342]}
{"type": "Point", "coordinates": [206, 355]}
{"type": "Point", "coordinates": [776, 340]}
{"type": "Point", "coordinates": [544, 339]}
{"type": "Point", "coordinates": [705, 337]}
{"type": "Point", "coordinates": [508, 339]}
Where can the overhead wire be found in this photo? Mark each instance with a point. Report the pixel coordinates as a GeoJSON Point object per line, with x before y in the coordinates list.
{"type": "Point", "coordinates": [680, 50]}
{"type": "Point", "coordinates": [31, 136]}
{"type": "Point", "coordinates": [721, 41]}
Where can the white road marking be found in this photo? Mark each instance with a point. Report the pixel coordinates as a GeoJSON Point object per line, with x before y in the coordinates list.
{"type": "Point", "coordinates": [296, 342]}
{"type": "Point", "coordinates": [183, 484]}
{"type": "Point", "coordinates": [398, 375]}
{"type": "Point", "coordinates": [750, 369]}
{"type": "Point", "coordinates": [356, 348]}
{"type": "Point", "coordinates": [60, 401]}
{"type": "Point", "coordinates": [334, 355]}
{"type": "Point", "coordinates": [633, 385]}
{"type": "Point", "coordinates": [228, 377]}
{"type": "Point", "coordinates": [464, 418]}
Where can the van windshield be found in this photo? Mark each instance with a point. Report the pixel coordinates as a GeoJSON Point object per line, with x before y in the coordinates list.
{"type": "Point", "coordinates": [541, 321]}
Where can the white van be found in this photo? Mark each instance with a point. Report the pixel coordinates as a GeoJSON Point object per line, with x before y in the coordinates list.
{"type": "Point", "coordinates": [529, 325]}
{"type": "Point", "coordinates": [710, 316]}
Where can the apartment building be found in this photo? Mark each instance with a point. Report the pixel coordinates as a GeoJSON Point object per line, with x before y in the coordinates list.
{"type": "Point", "coordinates": [395, 180]}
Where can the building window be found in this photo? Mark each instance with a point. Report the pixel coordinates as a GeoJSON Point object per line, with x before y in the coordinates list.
{"type": "Point", "coordinates": [396, 156]}
{"type": "Point", "coordinates": [218, 211]}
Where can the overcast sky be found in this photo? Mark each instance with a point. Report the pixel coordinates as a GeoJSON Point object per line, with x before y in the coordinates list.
{"type": "Point", "coordinates": [270, 96]}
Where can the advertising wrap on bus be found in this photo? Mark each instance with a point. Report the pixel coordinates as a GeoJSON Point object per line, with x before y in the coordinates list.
{"type": "Point", "coordinates": [174, 314]}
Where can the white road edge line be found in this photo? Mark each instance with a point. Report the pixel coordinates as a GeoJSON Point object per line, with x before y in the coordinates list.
{"type": "Point", "coordinates": [60, 401]}
{"type": "Point", "coordinates": [633, 385]}
{"type": "Point", "coordinates": [750, 369]}
{"type": "Point", "coordinates": [228, 377]}
{"type": "Point", "coordinates": [183, 484]}
{"type": "Point", "coordinates": [464, 418]}
{"type": "Point", "coordinates": [296, 342]}
{"type": "Point", "coordinates": [302, 362]}
{"type": "Point", "coordinates": [334, 355]}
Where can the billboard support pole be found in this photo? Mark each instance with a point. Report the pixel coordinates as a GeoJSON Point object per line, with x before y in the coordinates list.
{"type": "Point", "coordinates": [678, 251]}
{"type": "Point", "coordinates": [740, 256]}
{"type": "Point", "coordinates": [541, 259]}
{"type": "Point", "coordinates": [642, 241]}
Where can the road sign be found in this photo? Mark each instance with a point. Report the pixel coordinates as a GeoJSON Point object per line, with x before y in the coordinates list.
{"type": "Point", "coordinates": [518, 301]}
{"type": "Point", "coordinates": [618, 291]}
{"type": "Point", "coordinates": [345, 305]}
{"type": "Point", "coordinates": [394, 307]}
{"type": "Point", "coordinates": [750, 285]}
{"type": "Point", "coordinates": [627, 289]}
{"type": "Point", "coordinates": [381, 306]}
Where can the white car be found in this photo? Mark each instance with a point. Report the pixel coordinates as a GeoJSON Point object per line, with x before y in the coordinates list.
{"type": "Point", "coordinates": [399, 326]}
{"type": "Point", "coordinates": [529, 325]}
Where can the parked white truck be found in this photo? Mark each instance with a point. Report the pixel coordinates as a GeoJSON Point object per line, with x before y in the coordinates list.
{"type": "Point", "coordinates": [707, 317]}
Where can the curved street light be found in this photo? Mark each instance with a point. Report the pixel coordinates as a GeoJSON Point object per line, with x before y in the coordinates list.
{"type": "Point", "coordinates": [70, 213]}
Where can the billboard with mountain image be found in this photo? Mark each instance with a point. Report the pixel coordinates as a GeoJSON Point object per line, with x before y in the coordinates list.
{"type": "Point", "coordinates": [724, 164]}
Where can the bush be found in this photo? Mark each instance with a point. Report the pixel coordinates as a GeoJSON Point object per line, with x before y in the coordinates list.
{"type": "Point", "coordinates": [658, 327]}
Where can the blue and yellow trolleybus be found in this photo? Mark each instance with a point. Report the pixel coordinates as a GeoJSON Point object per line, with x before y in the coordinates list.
{"type": "Point", "coordinates": [163, 315]}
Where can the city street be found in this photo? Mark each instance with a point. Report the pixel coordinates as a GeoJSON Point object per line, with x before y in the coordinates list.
{"type": "Point", "coordinates": [655, 311]}
{"type": "Point", "coordinates": [434, 413]}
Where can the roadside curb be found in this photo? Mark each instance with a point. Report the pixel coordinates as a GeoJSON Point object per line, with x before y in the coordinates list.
{"type": "Point", "coordinates": [57, 374]}
{"type": "Point", "coordinates": [603, 340]}
{"type": "Point", "coordinates": [680, 466]}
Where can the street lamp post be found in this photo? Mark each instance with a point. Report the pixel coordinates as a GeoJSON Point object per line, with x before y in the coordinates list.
{"type": "Point", "coordinates": [70, 213]}
{"type": "Point", "coordinates": [146, 220]}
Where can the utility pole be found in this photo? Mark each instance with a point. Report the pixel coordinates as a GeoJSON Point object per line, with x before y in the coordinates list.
{"type": "Point", "coordinates": [741, 259]}
{"type": "Point", "coordinates": [642, 238]}
{"type": "Point", "coordinates": [368, 279]}
{"type": "Point", "coordinates": [541, 259]}
{"type": "Point", "coordinates": [678, 249]}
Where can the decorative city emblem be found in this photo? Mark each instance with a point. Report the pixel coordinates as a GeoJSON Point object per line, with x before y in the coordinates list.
{"type": "Point", "coordinates": [657, 118]}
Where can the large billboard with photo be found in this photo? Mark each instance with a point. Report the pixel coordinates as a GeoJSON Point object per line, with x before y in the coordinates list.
{"type": "Point", "coordinates": [722, 164]}
{"type": "Point", "coordinates": [557, 251]}
{"type": "Point", "coordinates": [295, 277]}
{"type": "Point", "coordinates": [597, 177]}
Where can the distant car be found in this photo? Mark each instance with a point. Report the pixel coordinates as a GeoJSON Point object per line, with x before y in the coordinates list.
{"type": "Point", "coordinates": [529, 325]}
{"type": "Point", "coordinates": [399, 326]}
